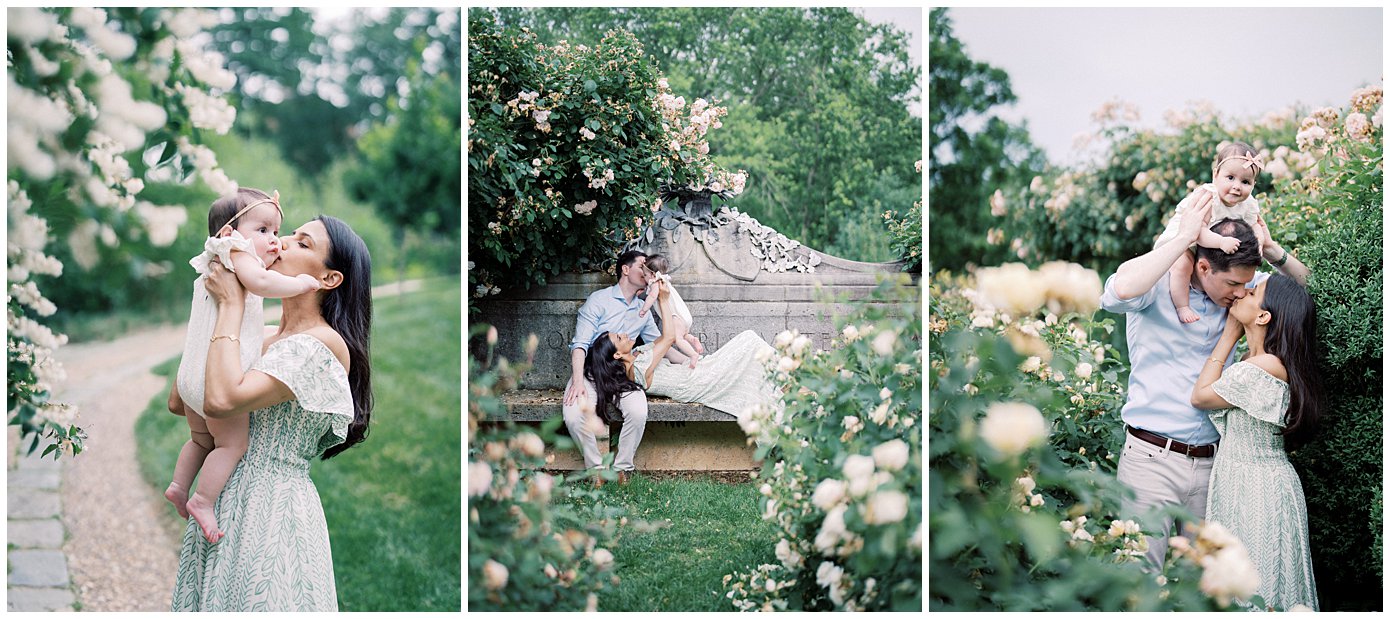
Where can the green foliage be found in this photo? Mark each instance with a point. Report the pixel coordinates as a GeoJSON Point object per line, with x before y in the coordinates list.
{"type": "Point", "coordinates": [995, 543]}
{"type": "Point", "coordinates": [529, 547]}
{"type": "Point", "coordinates": [406, 474]}
{"type": "Point", "coordinates": [683, 536]}
{"type": "Point", "coordinates": [1321, 194]}
{"type": "Point", "coordinates": [905, 236]}
{"type": "Point", "coordinates": [568, 150]}
{"type": "Point", "coordinates": [1113, 210]}
{"type": "Point", "coordinates": [99, 103]}
{"type": "Point", "coordinates": [817, 102]}
{"type": "Point", "coordinates": [308, 93]}
{"type": "Point", "coordinates": [1342, 468]}
{"type": "Point", "coordinates": [410, 168]}
{"type": "Point", "coordinates": [966, 165]}
{"type": "Point", "coordinates": [842, 465]}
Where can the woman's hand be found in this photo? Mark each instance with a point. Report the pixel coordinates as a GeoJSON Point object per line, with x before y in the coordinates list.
{"type": "Point", "coordinates": [1234, 328]}
{"type": "Point", "coordinates": [223, 285]}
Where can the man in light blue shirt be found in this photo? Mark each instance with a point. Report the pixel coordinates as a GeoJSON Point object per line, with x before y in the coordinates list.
{"type": "Point", "coordinates": [1169, 444]}
{"type": "Point", "coordinates": [611, 310]}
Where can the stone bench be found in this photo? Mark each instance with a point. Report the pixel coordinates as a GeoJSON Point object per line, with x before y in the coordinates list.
{"type": "Point", "coordinates": [679, 436]}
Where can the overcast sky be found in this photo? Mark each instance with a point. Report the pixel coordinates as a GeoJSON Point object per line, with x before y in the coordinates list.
{"type": "Point", "coordinates": [1065, 63]}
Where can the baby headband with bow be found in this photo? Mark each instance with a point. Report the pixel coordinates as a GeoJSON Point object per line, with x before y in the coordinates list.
{"type": "Point", "coordinates": [1250, 161]}
{"type": "Point", "coordinates": [273, 199]}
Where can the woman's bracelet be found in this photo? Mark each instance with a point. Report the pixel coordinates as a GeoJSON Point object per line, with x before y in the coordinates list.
{"type": "Point", "coordinates": [219, 337]}
{"type": "Point", "coordinates": [1215, 360]}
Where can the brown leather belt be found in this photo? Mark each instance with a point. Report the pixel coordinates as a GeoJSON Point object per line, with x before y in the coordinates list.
{"type": "Point", "coordinates": [1195, 451]}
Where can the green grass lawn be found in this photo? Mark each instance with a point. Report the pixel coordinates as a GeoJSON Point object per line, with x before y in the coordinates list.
{"type": "Point", "coordinates": [706, 529]}
{"type": "Point", "coordinates": [393, 502]}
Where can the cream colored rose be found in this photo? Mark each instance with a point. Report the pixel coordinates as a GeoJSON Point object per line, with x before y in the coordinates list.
{"type": "Point", "coordinates": [1012, 288]}
{"type": "Point", "coordinates": [1083, 370]}
{"type": "Point", "coordinates": [603, 559]}
{"type": "Point", "coordinates": [479, 478]}
{"type": "Point", "coordinates": [1013, 427]}
{"type": "Point", "coordinates": [828, 493]}
{"type": "Point", "coordinates": [1229, 574]}
{"type": "Point", "coordinates": [886, 507]}
{"type": "Point", "coordinates": [529, 444]}
{"type": "Point", "coordinates": [494, 575]}
{"type": "Point", "coordinates": [891, 455]}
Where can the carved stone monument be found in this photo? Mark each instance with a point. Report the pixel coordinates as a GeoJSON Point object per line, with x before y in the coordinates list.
{"type": "Point", "coordinates": [733, 272]}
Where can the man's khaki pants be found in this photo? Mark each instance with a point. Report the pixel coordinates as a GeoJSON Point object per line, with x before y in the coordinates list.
{"type": "Point", "coordinates": [1160, 477]}
{"type": "Point", "coordinates": [633, 408]}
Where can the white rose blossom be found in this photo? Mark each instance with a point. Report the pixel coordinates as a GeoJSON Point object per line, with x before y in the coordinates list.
{"type": "Point", "coordinates": [886, 507]}
{"type": "Point", "coordinates": [603, 559]}
{"type": "Point", "coordinates": [859, 471]}
{"type": "Point", "coordinates": [494, 575]}
{"type": "Point", "coordinates": [1013, 427]}
{"type": "Point", "coordinates": [1083, 370]}
{"type": "Point", "coordinates": [828, 493]}
{"type": "Point", "coordinates": [479, 478]}
{"type": "Point", "coordinates": [1229, 574]}
{"type": "Point", "coordinates": [891, 455]}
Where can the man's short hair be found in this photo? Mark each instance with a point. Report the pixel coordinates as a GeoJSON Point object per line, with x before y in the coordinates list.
{"type": "Point", "coordinates": [1248, 254]}
{"type": "Point", "coordinates": [627, 258]}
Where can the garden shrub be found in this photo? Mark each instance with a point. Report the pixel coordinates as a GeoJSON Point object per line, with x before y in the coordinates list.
{"type": "Point", "coordinates": [569, 149]}
{"type": "Point", "coordinates": [107, 111]}
{"type": "Point", "coordinates": [1112, 208]}
{"type": "Point", "coordinates": [1018, 526]}
{"type": "Point", "coordinates": [842, 465]}
{"type": "Point", "coordinates": [528, 549]}
{"type": "Point", "coordinates": [905, 234]}
{"type": "Point", "coordinates": [1341, 467]}
{"type": "Point", "coordinates": [1321, 193]}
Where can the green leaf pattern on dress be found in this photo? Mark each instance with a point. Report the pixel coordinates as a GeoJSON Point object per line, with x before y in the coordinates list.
{"type": "Point", "coordinates": [275, 555]}
{"type": "Point", "coordinates": [1255, 492]}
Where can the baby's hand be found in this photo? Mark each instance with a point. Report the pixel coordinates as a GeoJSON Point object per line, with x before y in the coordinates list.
{"type": "Point", "coordinates": [1229, 244]}
{"type": "Point", "coordinates": [642, 313]}
{"type": "Point", "coordinates": [313, 284]}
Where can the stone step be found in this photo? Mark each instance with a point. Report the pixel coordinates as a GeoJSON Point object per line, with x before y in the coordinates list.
{"type": "Point", "coordinates": [46, 599]}
{"type": "Point", "coordinates": [678, 437]}
{"type": "Point", "coordinates": [542, 404]}
{"type": "Point", "coordinates": [38, 568]}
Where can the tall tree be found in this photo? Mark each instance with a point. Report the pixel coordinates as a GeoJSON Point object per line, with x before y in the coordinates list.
{"type": "Point", "coordinates": [314, 88]}
{"type": "Point", "coordinates": [968, 166]}
{"type": "Point", "coordinates": [817, 104]}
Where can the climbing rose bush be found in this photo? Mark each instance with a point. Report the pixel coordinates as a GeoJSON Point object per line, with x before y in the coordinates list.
{"type": "Point", "coordinates": [842, 472]}
{"type": "Point", "coordinates": [100, 104]}
{"type": "Point", "coordinates": [569, 151]}
{"type": "Point", "coordinates": [528, 547]}
{"type": "Point", "coordinates": [1024, 504]}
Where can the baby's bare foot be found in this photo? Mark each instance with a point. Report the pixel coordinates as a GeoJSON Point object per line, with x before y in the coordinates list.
{"type": "Point", "coordinates": [202, 511]}
{"type": "Point", "coordinates": [695, 341]}
{"type": "Point", "coordinates": [1186, 315]}
{"type": "Point", "coordinates": [693, 360]}
{"type": "Point", "coordinates": [179, 497]}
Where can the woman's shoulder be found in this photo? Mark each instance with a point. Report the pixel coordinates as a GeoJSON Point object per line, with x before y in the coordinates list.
{"type": "Point", "coordinates": [324, 336]}
{"type": "Point", "coordinates": [1270, 364]}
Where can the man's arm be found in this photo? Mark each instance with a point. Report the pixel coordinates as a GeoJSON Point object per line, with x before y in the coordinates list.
{"type": "Point", "coordinates": [1139, 274]}
{"type": "Point", "coordinates": [576, 386]}
{"type": "Point", "coordinates": [1273, 253]}
{"type": "Point", "coordinates": [585, 328]}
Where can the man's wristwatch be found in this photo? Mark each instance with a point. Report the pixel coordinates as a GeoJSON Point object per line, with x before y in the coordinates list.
{"type": "Point", "coordinates": [1282, 259]}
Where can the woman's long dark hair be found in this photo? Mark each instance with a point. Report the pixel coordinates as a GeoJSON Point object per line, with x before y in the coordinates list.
{"type": "Point", "coordinates": [348, 309]}
{"type": "Point", "coordinates": [1291, 335]}
{"type": "Point", "coordinates": [607, 374]}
